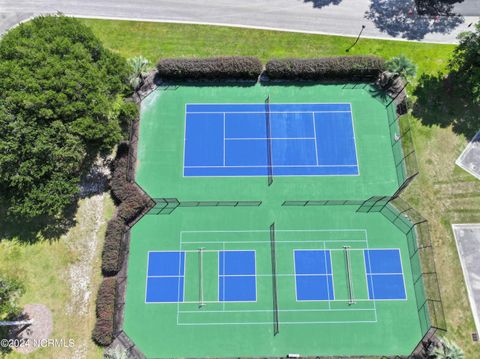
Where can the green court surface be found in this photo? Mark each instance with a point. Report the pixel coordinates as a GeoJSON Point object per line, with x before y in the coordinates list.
{"type": "Point", "coordinates": [199, 324]}
{"type": "Point", "coordinates": [160, 150]}
{"type": "Point", "coordinates": [246, 329]}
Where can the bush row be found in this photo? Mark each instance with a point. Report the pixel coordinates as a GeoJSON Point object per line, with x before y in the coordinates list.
{"type": "Point", "coordinates": [250, 68]}
{"type": "Point", "coordinates": [112, 256]}
{"type": "Point", "coordinates": [215, 68]}
{"type": "Point", "coordinates": [328, 68]}
{"type": "Point", "coordinates": [131, 202]}
{"type": "Point", "coordinates": [103, 333]}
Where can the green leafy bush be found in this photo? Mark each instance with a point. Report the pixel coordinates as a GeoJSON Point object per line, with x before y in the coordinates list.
{"type": "Point", "coordinates": [119, 181]}
{"type": "Point", "coordinates": [127, 113]}
{"type": "Point", "coordinates": [10, 292]}
{"type": "Point", "coordinates": [103, 333]}
{"type": "Point", "coordinates": [328, 68]}
{"type": "Point", "coordinates": [58, 87]}
{"type": "Point", "coordinates": [216, 68]}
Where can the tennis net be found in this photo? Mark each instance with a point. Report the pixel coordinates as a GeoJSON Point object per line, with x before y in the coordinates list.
{"type": "Point", "coordinates": [269, 140]}
{"type": "Point", "coordinates": [201, 302]}
{"type": "Point", "coordinates": [274, 280]}
{"type": "Point", "coordinates": [351, 296]}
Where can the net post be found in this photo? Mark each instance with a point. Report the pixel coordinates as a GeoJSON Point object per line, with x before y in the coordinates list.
{"type": "Point", "coordinates": [276, 328]}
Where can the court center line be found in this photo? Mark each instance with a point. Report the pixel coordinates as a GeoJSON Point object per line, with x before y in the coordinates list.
{"type": "Point", "coordinates": [315, 136]}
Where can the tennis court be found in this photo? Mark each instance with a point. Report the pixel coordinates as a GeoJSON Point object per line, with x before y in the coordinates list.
{"type": "Point", "coordinates": [268, 280]}
{"type": "Point", "coordinates": [234, 275]}
{"type": "Point", "coordinates": [287, 139]}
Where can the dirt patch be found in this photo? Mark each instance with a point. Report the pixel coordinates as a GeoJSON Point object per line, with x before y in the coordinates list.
{"type": "Point", "coordinates": [38, 331]}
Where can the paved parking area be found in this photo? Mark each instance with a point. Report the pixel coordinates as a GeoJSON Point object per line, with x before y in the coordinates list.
{"type": "Point", "coordinates": [469, 160]}
{"type": "Point", "coordinates": [467, 238]}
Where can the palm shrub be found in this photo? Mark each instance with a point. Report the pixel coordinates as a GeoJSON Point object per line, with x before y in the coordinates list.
{"type": "Point", "coordinates": [402, 66]}
{"type": "Point", "coordinates": [446, 350]}
{"type": "Point", "coordinates": [139, 66]}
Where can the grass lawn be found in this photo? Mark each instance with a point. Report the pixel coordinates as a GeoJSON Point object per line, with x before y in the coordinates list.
{"type": "Point", "coordinates": [156, 40]}
{"type": "Point", "coordinates": [64, 274]}
{"type": "Point", "coordinates": [443, 193]}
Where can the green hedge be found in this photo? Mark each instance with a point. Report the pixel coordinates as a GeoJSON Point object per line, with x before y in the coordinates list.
{"type": "Point", "coordinates": [103, 333]}
{"type": "Point", "coordinates": [131, 202]}
{"type": "Point", "coordinates": [216, 68]}
{"type": "Point", "coordinates": [112, 255]}
{"type": "Point", "coordinates": [328, 68]}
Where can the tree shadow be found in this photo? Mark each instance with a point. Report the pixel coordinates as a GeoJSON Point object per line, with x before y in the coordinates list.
{"type": "Point", "coordinates": [399, 18]}
{"type": "Point", "coordinates": [318, 4]}
{"type": "Point", "coordinates": [436, 7]}
{"type": "Point", "coordinates": [29, 230]}
{"type": "Point", "coordinates": [441, 100]}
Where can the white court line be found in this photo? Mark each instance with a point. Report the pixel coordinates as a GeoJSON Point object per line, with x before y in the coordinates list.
{"type": "Point", "coordinates": [265, 242]}
{"type": "Point", "coordinates": [364, 231]}
{"type": "Point", "coordinates": [178, 302]}
{"type": "Point", "coordinates": [402, 274]}
{"type": "Point", "coordinates": [356, 165]}
{"type": "Point", "coordinates": [146, 278]}
{"type": "Point", "coordinates": [315, 135]}
{"type": "Point", "coordinates": [312, 275]}
{"type": "Point", "coordinates": [255, 112]}
{"type": "Point", "coordinates": [223, 140]}
{"type": "Point", "coordinates": [265, 166]}
{"type": "Point", "coordinates": [263, 104]}
{"type": "Point", "coordinates": [255, 301]}
{"type": "Point", "coordinates": [267, 138]}
{"type": "Point", "coordinates": [278, 175]}
{"type": "Point", "coordinates": [281, 310]}
{"type": "Point", "coordinates": [326, 271]}
{"type": "Point", "coordinates": [354, 139]}
{"type": "Point", "coordinates": [282, 323]}
{"type": "Point", "coordinates": [331, 250]}
{"type": "Point", "coordinates": [366, 276]}
{"type": "Point", "coordinates": [223, 276]}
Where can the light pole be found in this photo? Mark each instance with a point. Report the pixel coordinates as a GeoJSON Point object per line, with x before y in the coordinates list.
{"type": "Point", "coordinates": [358, 38]}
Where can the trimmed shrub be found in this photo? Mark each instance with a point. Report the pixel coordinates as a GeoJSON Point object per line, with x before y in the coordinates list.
{"type": "Point", "coordinates": [103, 333]}
{"type": "Point", "coordinates": [112, 255]}
{"type": "Point", "coordinates": [119, 173]}
{"type": "Point", "coordinates": [133, 204]}
{"type": "Point", "coordinates": [328, 68]}
{"type": "Point", "coordinates": [132, 201]}
{"type": "Point", "coordinates": [215, 68]}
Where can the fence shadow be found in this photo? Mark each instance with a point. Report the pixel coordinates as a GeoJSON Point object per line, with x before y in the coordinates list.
{"type": "Point", "coordinates": [399, 18]}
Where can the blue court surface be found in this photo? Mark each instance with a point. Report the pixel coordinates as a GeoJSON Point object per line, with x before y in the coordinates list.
{"type": "Point", "coordinates": [286, 139]}
{"type": "Point", "coordinates": [237, 276]}
{"type": "Point", "coordinates": [313, 275]}
{"type": "Point", "coordinates": [165, 277]}
{"type": "Point", "coordinates": [384, 274]}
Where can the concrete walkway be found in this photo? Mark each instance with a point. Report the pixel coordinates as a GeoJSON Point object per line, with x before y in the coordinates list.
{"type": "Point", "coordinates": [392, 19]}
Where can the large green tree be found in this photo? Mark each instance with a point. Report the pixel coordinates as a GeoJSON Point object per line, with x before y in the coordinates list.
{"type": "Point", "coordinates": [59, 95]}
{"type": "Point", "coordinates": [465, 63]}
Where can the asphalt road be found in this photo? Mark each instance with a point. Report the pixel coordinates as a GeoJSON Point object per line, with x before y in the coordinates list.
{"type": "Point", "coordinates": [382, 18]}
